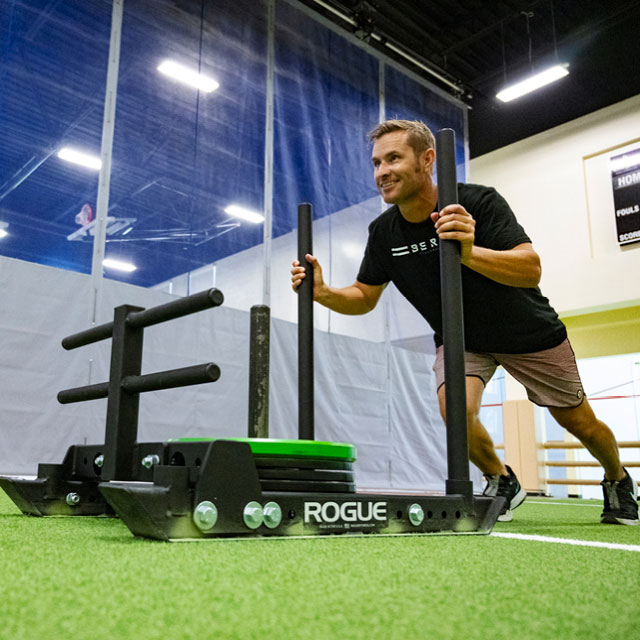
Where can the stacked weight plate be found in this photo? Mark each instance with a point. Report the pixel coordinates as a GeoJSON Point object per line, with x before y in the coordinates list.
{"type": "Point", "coordinates": [299, 465]}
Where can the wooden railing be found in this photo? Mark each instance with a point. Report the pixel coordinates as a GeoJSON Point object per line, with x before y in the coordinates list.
{"type": "Point", "coordinates": [560, 444]}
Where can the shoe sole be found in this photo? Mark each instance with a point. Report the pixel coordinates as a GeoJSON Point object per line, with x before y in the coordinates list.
{"type": "Point", "coordinates": [611, 519]}
{"type": "Point", "coordinates": [517, 500]}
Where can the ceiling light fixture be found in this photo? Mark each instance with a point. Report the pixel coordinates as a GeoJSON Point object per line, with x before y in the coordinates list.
{"type": "Point", "coordinates": [244, 214]}
{"type": "Point", "coordinates": [187, 76]}
{"type": "Point", "coordinates": [533, 82]}
{"type": "Point", "coordinates": [118, 265]}
{"type": "Point", "coordinates": [80, 157]}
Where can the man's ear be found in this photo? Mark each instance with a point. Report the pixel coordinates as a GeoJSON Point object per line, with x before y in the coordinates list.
{"type": "Point", "coordinates": [428, 158]}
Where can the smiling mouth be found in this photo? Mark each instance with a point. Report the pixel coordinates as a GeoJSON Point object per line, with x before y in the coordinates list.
{"type": "Point", "coordinates": [386, 185]}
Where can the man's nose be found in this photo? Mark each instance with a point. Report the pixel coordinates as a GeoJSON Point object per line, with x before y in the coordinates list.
{"type": "Point", "coordinates": [381, 170]}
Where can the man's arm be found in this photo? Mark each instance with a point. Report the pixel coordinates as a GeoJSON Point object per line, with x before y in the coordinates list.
{"type": "Point", "coordinates": [356, 299]}
{"type": "Point", "coordinates": [517, 267]}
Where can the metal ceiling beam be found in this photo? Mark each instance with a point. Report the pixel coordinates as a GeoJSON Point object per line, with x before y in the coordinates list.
{"type": "Point", "coordinates": [398, 48]}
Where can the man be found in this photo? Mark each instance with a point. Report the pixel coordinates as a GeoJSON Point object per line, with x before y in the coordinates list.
{"type": "Point", "coordinates": [507, 319]}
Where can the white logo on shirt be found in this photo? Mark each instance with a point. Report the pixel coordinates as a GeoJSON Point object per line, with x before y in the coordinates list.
{"type": "Point", "coordinates": [420, 247]}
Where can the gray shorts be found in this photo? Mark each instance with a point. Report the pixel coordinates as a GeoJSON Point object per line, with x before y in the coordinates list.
{"type": "Point", "coordinates": [550, 376]}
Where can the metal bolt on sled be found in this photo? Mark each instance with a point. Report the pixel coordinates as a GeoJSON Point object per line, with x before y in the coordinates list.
{"type": "Point", "coordinates": [205, 516]}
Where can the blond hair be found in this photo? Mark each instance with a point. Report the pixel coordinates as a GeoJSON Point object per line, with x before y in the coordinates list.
{"type": "Point", "coordinates": [420, 137]}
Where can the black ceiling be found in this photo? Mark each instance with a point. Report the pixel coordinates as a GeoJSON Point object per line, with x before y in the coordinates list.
{"type": "Point", "coordinates": [475, 45]}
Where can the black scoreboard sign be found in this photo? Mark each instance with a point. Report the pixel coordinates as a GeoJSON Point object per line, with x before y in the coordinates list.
{"type": "Point", "coordinates": [625, 176]}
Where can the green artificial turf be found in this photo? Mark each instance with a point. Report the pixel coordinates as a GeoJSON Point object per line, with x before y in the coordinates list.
{"type": "Point", "coordinates": [90, 578]}
{"type": "Point", "coordinates": [579, 519]}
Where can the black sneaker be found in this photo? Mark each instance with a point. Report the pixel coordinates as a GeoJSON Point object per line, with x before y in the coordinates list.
{"type": "Point", "coordinates": [508, 488]}
{"type": "Point", "coordinates": [620, 501]}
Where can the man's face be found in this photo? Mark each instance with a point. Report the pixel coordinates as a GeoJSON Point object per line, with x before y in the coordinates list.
{"type": "Point", "coordinates": [400, 175]}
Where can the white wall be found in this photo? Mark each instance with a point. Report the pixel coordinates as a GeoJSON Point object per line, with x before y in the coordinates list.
{"type": "Point", "coordinates": [559, 185]}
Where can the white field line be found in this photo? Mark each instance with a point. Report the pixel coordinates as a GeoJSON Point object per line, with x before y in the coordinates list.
{"type": "Point", "coordinates": [576, 543]}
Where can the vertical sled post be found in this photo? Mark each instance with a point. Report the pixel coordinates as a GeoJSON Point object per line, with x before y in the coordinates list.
{"type": "Point", "coordinates": [453, 327]}
{"type": "Point", "coordinates": [259, 372]}
{"type": "Point", "coordinates": [306, 427]}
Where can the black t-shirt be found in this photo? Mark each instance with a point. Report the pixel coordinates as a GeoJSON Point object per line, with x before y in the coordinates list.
{"type": "Point", "coordinates": [497, 318]}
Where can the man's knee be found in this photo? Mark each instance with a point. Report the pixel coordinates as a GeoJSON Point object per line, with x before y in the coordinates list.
{"type": "Point", "coordinates": [580, 421]}
{"type": "Point", "coordinates": [474, 390]}
{"type": "Point", "coordinates": [473, 415]}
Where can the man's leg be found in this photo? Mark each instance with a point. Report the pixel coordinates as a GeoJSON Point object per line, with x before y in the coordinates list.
{"type": "Point", "coordinates": [620, 490]}
{"type": "Point", "coordinates": [594, 434]}
{"type": "Point", "coordinates": [552, 380]}
{"type": "Point", "coordinates": [482, 451]}
{"type": "Point", "coordinates": [501, 481]}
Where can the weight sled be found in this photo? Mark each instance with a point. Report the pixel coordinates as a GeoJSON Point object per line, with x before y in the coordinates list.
{"type": "Point", "coordinates": [226, 496]}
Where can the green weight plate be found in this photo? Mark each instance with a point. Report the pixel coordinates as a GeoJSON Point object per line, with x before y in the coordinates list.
{"type": "Point", "coordinates": [306, 486]}
{"type": "Point", "coordinates": [305, 474]}
{"type": "Point", "coordinates": [301, 463]}
{"type": "Point", "coordinates": [290, 448]}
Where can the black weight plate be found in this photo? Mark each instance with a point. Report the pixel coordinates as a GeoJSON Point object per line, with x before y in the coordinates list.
{"type": "Point", "coordinates": [302, 463]}
{"type": "Point", "coordinates": [308, 486]}
{"type": "Point", "coordinates": [306, 474]}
